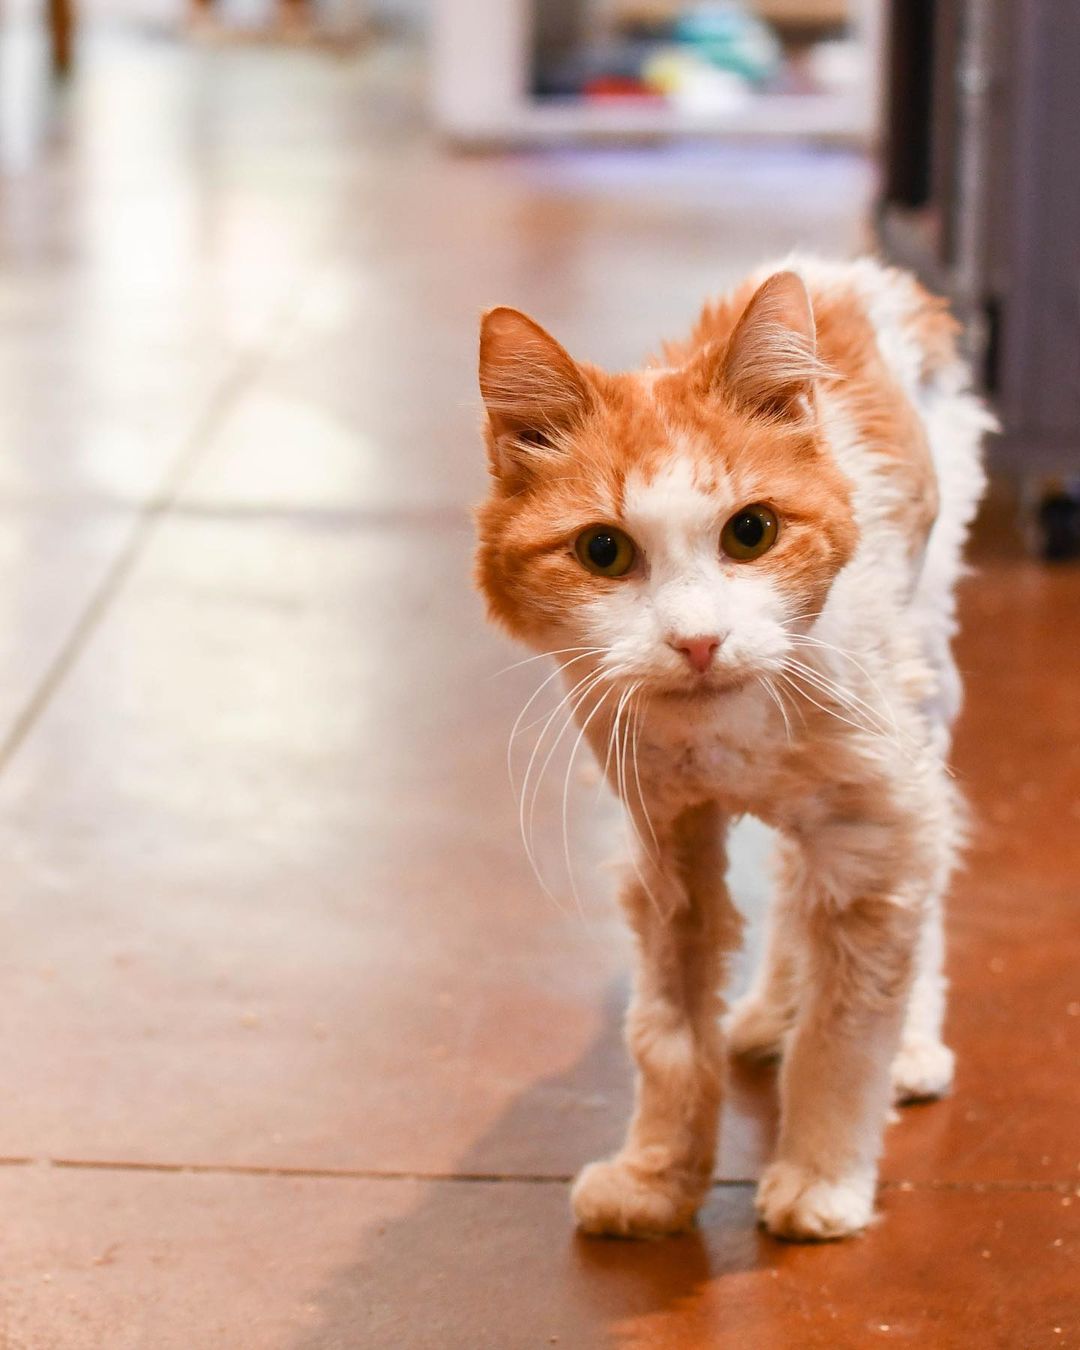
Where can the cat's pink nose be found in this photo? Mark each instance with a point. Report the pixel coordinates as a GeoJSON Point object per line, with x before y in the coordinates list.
{"type": "Point", "coordinates": [699, 651]}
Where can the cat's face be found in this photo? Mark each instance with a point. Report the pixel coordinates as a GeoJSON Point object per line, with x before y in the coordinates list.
{"type": "Point", "coordinates": [679, 524]}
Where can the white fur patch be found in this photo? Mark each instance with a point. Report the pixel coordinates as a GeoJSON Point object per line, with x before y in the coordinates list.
{"type": "Point", "coordinates": [687, 588]}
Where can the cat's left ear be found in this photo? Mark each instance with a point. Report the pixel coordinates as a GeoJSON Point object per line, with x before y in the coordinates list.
{"type": "Point", "coordinates": [771, 364]}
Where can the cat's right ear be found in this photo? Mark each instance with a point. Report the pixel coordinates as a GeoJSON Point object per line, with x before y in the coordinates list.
{"type": "Point", "coordinates": [533, 390]}
{"type": "Point", "coordinates": [771, 362]}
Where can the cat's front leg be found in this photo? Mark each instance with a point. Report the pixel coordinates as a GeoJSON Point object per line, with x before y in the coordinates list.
{"type": "Point", "coordinates": [685, 926]}
{"type": "Point", "coordinates": [859, 954]}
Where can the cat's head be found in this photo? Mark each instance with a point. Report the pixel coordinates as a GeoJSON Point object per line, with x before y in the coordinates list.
{"type": "Point", "coordinates": [679, 521]}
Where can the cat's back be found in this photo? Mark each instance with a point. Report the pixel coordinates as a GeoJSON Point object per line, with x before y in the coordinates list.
{"type": "Point", "coordinates": [874, 323]}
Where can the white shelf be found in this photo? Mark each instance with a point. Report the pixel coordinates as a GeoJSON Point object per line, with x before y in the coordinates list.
{"type": "Point", "coordinates": [480, 91]}
{"type": "Point", "coordinates": [818, 116]}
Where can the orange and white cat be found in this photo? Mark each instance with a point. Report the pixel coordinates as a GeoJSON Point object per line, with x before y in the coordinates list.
{"type": "Point", "coordinates": [747, 552]}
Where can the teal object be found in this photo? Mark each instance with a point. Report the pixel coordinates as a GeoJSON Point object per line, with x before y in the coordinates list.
{"type": "Point", "coordinates": [729, 37]}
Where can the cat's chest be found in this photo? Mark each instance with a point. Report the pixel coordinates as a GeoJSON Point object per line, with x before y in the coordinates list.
{"type": "Point", "coordinates": [734, 756]}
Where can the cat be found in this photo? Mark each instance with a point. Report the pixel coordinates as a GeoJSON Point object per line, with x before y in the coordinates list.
{"type": "Point", "coordinates": [743, 559]}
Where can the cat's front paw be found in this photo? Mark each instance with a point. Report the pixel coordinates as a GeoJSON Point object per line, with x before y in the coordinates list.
{"type": "Point", "coordinates": [755, 1028]}
{"type": "Point", "coordinates": [615, 1198]}
{"type": "Point", "coordinates": [922, 1069]}
{"type": "Point", "coordinates": [796, 1203]}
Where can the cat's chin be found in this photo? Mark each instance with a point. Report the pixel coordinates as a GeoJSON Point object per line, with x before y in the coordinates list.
{"type": "Point", "coordinates": [701, 691]}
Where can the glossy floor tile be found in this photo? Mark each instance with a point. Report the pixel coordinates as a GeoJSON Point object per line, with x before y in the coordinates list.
{"type": "Point", "coordinates": [171, 1260]}
{"type": "Point", "coordinates": [264, 895]}
{"type": "Point", "coordinates": [240, 776]}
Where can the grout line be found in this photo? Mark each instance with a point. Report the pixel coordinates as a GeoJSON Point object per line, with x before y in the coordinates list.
{"type": "Point", "coordinates": [268, 1170]}
{"type": "Point", "coordinates": [474, 1178]}
{"type": "Point", "coordinates": [245, 369]}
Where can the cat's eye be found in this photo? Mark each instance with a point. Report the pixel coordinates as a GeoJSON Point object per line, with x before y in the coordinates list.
{"type": "Point", "coordinates": [749, 533]}
{"type": "Point", "coordinates": [605, 550]}
{"type": "Point", "coordinates": [534, 437]}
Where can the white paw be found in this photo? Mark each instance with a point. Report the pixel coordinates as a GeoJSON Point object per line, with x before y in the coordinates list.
{"type": "Point", "coordinates": [922, 1068]}
{"type": "Point", "coordinates": [614, 1198]}
{"type": "Point", "coordinates": [755, 1029]}
{"type": "Point", "coordinates": [794, 1202]}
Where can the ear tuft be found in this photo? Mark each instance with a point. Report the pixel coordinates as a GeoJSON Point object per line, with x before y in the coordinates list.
{"type": "Point", "coordinates": [532, 388]}
{"type": "Point", "coordinates": [771, 362]}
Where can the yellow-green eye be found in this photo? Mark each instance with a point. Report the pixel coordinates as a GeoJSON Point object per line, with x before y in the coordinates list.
{"type": "Point", "coordinates": [605, 550]}
{"type": "Point", "coordinates": [749, 533]}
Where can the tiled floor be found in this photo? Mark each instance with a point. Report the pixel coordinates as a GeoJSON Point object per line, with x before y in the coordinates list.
{"type": "Point", "coordinates": [297, 1054]}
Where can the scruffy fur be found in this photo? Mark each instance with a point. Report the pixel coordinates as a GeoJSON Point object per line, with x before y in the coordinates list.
{"type": "Point", "coordinates": [822, 700]}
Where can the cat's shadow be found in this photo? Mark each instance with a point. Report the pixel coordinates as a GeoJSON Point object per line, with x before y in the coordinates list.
{"type": "Point", "coordinates": [478, 1264]}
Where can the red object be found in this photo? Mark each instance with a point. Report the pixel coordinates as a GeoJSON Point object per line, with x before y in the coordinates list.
{"type": "Point", "coordinates": [619, 86]}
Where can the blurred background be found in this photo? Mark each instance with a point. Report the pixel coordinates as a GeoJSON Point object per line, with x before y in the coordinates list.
{"type": "Point", "coordinates": [958, 114]}
{"type": "Point", "coordinates": [297, 1052]}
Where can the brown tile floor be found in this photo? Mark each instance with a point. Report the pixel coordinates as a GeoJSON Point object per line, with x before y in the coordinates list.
{"type": "Point", "coordinates": [297, 1055]}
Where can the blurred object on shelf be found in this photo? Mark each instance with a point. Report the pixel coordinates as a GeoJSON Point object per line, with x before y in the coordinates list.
{"type": "Point", "coordinates": [834, 64]}
{"type": "Point", "coordinates": [696, 86]}
{"type": "Point", "coordinates": [703, 59]}
{"type": "Point", "coordinates": [528, 70]}
{"type": "Point", "coordinates": [301, 22]}
{"type": "Point", "coordinates": [729, 36]}
{"type": "Point", "coordinates": [618, 86]}
{"type": "Point", "coordinates": [594, 63]}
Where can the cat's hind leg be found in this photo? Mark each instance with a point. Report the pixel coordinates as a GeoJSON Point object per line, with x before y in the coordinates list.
{"type": "Point", "coordinates": [685, 926]}
{"type": "Point", "coordinates": [923, 1066]}
{"type": "Point", "coordinates": [867, 883]}
{"type": "Point", "coordinates": [758, 1022]}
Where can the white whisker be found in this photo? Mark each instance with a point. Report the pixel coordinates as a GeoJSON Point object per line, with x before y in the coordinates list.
{"type": "Point", "coordinates": [517, 729]}
{"type": "Point", "coordinates": [804, 617]}
{"type": "Point", "coordinates": [526, 833]}
{"type": "Point", "coordinates": [566, 797]}
{"type": "Point", "coordinates": [805, 639]}
{"type": "Point", "coordinates": [766, 684]}
{"type": "Point", "coordinates": [637, 780]}
{"type": "Point", "coordinates": [831, 712]}
{"type": "Point", "coordinates": [633, 837]}
{"type": "Point", "coordinates": [827, 685]}
{"type": "Point", "coordinates": [583, 689]}
{"type": "Point", "coordinates": [543, 656]}
{"type": "Point", "coordinates": [789, 674]}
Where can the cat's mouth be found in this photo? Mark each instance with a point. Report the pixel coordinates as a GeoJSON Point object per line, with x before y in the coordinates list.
{"type": "Point", "coordinates": [713, 685]}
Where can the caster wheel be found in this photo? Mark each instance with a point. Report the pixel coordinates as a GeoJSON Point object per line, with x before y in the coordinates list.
{"type": "Point", "coordinates": [1057, 525]}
